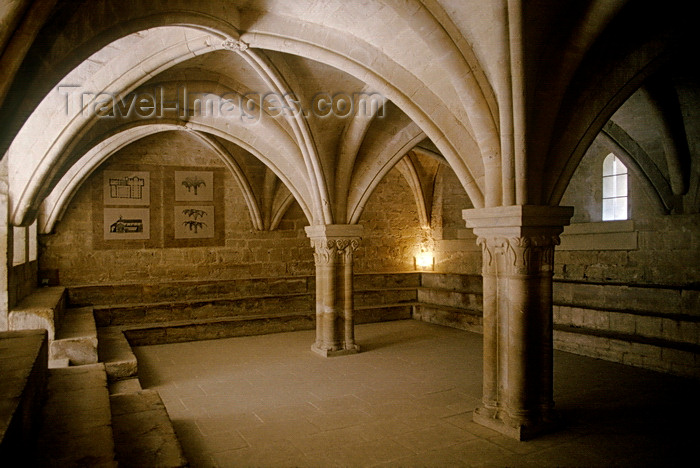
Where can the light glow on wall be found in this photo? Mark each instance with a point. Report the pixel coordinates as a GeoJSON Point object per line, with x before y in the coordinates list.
{"type": "Point", "coordinates": [424, 261]}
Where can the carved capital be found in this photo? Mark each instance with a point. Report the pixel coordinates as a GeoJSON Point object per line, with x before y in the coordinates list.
{"type": "Point", "coordinates": [518, 255]}
{"type": "Point", "coordinates": [334, 242]}
{"type": "Point", "coordinates": [328, 251]}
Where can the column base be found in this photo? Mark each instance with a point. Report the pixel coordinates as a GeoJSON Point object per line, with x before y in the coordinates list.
{"type": "Point", "coordinates": [354, 349]}
{"type": "Point", "coordinates": [518, 430]}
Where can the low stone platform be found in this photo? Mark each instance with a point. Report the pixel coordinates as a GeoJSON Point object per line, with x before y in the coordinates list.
{"type": "Point", "coordinates": [43, 308]}
{"type": "Point", "coordinates": [214, 328]}
{"type": "Point", "coordinates": [204, 308]}
{"type": "Point", "coordinates": [115, 352]}
{"type": "Point", "coordinates": [143, 433]}
{"type": "Point", "coordinates": [76, 338]}
{"type": "Point", "coordinates": [76, 420]}
{"type": "Point", "coordinates": [23, 377]}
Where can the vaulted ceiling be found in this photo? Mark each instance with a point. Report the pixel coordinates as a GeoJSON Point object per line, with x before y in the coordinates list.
{"type": "Point", "coordinates": [509, 94]}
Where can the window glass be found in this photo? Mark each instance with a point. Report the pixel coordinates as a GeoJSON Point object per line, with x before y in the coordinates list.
{"type": "Point", "coordinates": [614, 189]}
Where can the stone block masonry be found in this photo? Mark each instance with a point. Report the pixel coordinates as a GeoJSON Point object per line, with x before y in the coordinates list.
{"type": "Point", "coordinates": [24, 368]}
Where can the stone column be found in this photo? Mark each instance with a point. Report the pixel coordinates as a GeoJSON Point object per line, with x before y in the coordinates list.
{"type": "Point", "coordinates": [334, 245]}
{"type": "Point", "coordinates": [5, 247]}
{"type": "Point", "coordinates": [518, 260]}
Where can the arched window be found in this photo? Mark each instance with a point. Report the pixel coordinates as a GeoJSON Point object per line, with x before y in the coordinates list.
{"type": "Point", "coordinates": [614, 189]}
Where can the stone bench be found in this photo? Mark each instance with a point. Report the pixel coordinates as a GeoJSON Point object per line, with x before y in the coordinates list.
{"type": "Point", "coordinates": [76, 339]}
{"type": "Point", "coordinates": [77, 420]}
{"type": "Point", "coordinates": [43, 308]}
{"type": "Point", "coordinates": [178, 331]}
{"type": "Point", "coordinates": [143, 432]}
{"type": "Point", "coordinates": [650, 353]}
{"type": "Point", "coordinates": [114, 351]}
{"type": "Point", "coordinates": [23, 377]}
{"type": "Point", "coordinates": [651, 326]}
{"type": "Point", "coordinates": [451, 300]}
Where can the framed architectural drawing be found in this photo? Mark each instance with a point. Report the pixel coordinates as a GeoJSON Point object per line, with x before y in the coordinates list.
{"type": "Point", "coordinates": [194, 222]}
{"type": "Point", "coordinates": [127, 223]}
{"type": "Point", "coordinates": [196, 186]}
{"type": "Point", "coordinates": [127, 188]}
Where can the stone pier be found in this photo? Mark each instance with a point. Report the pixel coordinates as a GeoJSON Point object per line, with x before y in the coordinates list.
{"type": "Point", "coordinates": [334, 245]}
{"type": "Point", "coordinates": [518, 255]}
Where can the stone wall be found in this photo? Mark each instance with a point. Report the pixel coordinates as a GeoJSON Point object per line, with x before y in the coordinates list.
{"type": "Point", "coordinates": [627, 291]}
{"type": "Point", "coordinates": [392, 233]}
{"type": "Point", "coordinates": [650, 248]}
{"type": "Point", "coordinates": [456, 250]}
{"type": "Point", "coordinates": [82, 258]}
{"type": "Point", "coordinates": [22, 281]}
{"type": "Point", "coordinates": [245, 252]}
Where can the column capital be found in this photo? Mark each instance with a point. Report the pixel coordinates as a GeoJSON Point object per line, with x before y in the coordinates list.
{"type": "Point", "coordinates": [334, 231]}
{"type": "Point", "coordinates": [334, 241]}
{"type": "Point", "coordinates": [518, 220]}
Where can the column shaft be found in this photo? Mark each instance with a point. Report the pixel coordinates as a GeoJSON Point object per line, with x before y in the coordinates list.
{"type": "Point", "coordinates": [333, 254]}
{"type": "Point", "coordinates": [518, 254]}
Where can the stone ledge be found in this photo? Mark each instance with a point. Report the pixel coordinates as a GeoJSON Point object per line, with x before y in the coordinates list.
{"type": "Point", "coordinates": [641, 313]}
{"type": "Point", "coordinates": [43, 308]}
{"type": "Point", "coordinates": [450, 298]}
{"type": "Point", "coordinates": [23, 380]}
{"type": "Point", "coordinates": [607, 235]}
{"type": "Point", "coordinates": [76, 339]}
{"type": "Point", "coordinates": [682, 300]}
{"type": "Point", "coordinates": [138, 293]}
{"type": "Point", "coordinates": [633, 338]}
{"type": "Point", "coordinates": [127, 314]}
{"type": "Point", "coordinates": [77, 420]}
{"type": "Point", "coordinates": [143, 432]}
{"type": "Point", "coordinates": [462, 319]}
{"type": "Point", "coordinates": [639, 353]}
{"type": "Point", "coordinates": [214, 328]}
{"type": "Point", "coordinates": [115, 352]}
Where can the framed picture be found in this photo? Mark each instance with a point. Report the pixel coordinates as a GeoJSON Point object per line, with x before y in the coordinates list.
{"type": "Point", "coordinates": [127, 188]}
{"type": "Point", "coordinates": [194, 221]}
{"type": "Point", "coordinates": [197, 186]}
{"type": "Point", "coordinates": [127, 223]}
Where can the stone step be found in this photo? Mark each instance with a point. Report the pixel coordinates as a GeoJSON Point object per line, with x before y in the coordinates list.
{"type": "Point", "coordinates": [373, 281]}
{"type": "Point", "coordinates": [469, 284]}
{"type": "Point", "coordinates": [384, 312]}
{"type": "Point", "coordinates": [178, 331]}
{"type": "Point", "coordinates": [114, 351]}
{"type": "Point", "coordinates": [380, 297]}
{"type": "Point", "coordinates": [669, 327]}
{"type": "Point", "coordinates": [131, 385]}
{"type": "Point", "coordinates": [651, 353]}
{"type": "Point", "coordinates": [461, 318]}
{"type": "Point", "coordinates": [143, 432]}
{"type": "Point", "coordinates": [23, 380]}
{"type": "Point", "coordinates": [58, 363]}
{"type": "Point", "coordinates": [146, 293]}
{"type": "Point", "coordinates": [208, 308]}
{"type": "Point", "coordinates": [76, 338]}
{"type": "Point", "coordinates": [451, 298]}
{"type": "Point", "coordinates": [76, 419]}
{"type": "Point", "coordinates": [215, 328]}
{"type": "Point", "coordinates": [177, 291]}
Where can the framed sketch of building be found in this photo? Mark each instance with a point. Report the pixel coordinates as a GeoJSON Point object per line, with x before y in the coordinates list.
{"type": "Point", "coordinates": [194, 186]}
{"type": "Point", "coordinates": [127, 188]}
{"type": "Point", "coordinates": [193, 222]}
{"type": "Point", "coordinates": [127, 223]}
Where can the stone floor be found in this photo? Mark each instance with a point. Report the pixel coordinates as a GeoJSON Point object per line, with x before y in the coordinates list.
{"type": "Point", "coordinates": [406, 401]}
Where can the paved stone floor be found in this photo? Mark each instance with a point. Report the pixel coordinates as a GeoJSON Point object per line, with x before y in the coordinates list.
{"type": "Point", "coordinates": [406, 400]}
